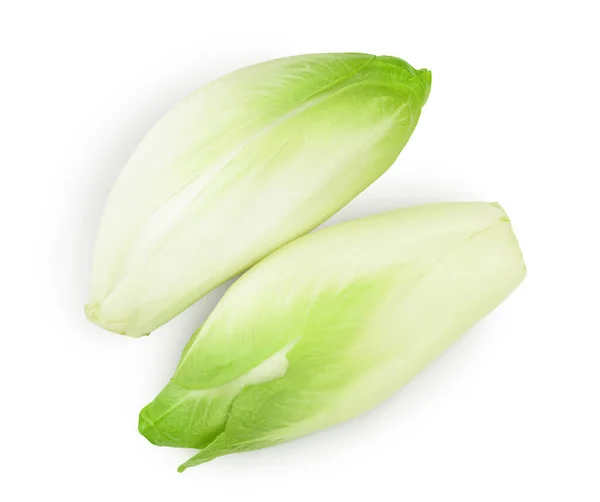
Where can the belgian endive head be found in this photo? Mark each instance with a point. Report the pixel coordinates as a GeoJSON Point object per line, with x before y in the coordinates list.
{"type": "Point", "coordinates": [333, 323]}
{"type": "Point", "coordinates": [240, 167]}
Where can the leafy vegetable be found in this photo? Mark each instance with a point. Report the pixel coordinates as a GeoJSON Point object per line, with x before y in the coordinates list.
{"type": "Point", "coordinates": [242, 166]}
{"type": "Point", "coordinates": [333, 323]}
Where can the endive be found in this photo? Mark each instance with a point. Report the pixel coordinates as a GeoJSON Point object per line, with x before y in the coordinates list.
{"type": "Point", "coordinates": [242, 166]}
{"type": "Point", "coordinates": [333, 323]}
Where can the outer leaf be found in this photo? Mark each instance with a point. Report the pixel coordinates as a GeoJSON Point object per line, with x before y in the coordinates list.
{"type": "Point", "coordinates": [239, 168]}
{"type": "Point", "coordinates": [333, 323]}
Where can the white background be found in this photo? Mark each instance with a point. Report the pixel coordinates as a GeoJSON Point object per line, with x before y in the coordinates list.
{"type": "Point", "coordinates": [509, 413]}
